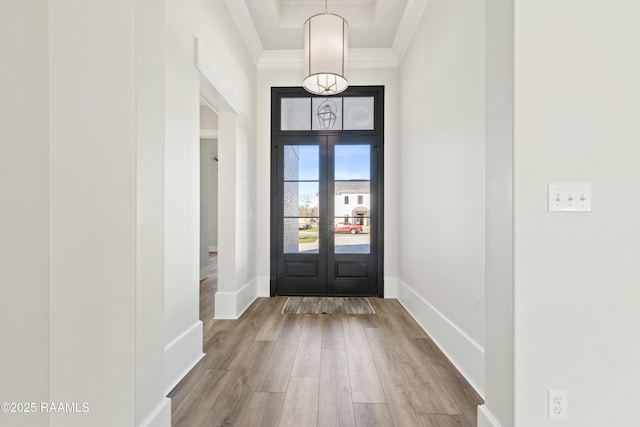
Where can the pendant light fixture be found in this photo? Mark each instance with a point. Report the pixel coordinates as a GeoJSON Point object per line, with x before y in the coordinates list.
{"type": "Point", "coordinates": [325, 53]}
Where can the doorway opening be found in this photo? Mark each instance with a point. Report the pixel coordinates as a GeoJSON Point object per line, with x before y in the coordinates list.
{"type": "Point", "coordinates": [208, 209]}
{"type": "Point", "coordinates": [327, 191]}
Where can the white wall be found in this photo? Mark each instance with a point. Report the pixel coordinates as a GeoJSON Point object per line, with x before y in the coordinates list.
{"type": "Point", "coordinates": [442, 180]}
{"type": "Point", "coordinates": [212, 25]}
{"type": "Point", "coordinates": [82, 145]}
{"type": "Point", "coordinates": [387, 77]}
{"type": "Point", "coordinates": [152, 408]}
{"type": "Point", "coordinates": [24, 216]}
{"type": "Point", "coordinates": [499, 345]}
{"type": "Point", "coordinates": [208, 121]}
{"type": "Point", "coordinates": [92, 210]}
{"type": "Point", "coordinates": [577, 275]}
{"type": "Point", "coordinates": [104, 130]}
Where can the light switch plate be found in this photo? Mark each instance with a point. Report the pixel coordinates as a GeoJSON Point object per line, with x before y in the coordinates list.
{"type": "Point", "coordinates": [569, 197]}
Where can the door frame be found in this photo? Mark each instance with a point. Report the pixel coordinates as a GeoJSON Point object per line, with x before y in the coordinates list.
{"type": "Point", "coordinates": [377, 92]}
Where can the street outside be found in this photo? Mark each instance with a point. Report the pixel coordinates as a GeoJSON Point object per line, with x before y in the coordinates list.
{"type": "Point", "coordinates": [345, 243]}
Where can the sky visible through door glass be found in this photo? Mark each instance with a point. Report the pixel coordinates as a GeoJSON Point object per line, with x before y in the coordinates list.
{"type": "Point", "coordinates": [308, 162]}
{"type": "Point", "coordinates": [352, 162]}
{"type": "Point", "coordinates": [308, 170]}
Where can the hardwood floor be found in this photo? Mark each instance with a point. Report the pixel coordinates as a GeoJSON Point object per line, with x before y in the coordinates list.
{"type": "Point", "coordinates": [274, 369]}
{"type": "Point", "coordinates": [208, 289]}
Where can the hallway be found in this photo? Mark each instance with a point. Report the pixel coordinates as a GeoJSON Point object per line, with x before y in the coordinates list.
{"type": "Point", "coordinates": [273, 369]}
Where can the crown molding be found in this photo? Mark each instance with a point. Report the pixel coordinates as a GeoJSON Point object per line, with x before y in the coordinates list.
{"type": "Point", "coordinates": [247, 29]}
{"type": "Point", "coordinates": [358, 58]}
{"type": "Point", "coordinates": [281, 59]}
{"type": "Point", "coordinates": [408, 25]}
{"type": "Point", "coordinates": [373, 58]}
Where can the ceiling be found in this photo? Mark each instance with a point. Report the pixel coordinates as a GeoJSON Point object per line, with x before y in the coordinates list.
{"type": "Point", "coordinates": [372, 23]}
{"type": "Point", "coordinates": [377, 28]}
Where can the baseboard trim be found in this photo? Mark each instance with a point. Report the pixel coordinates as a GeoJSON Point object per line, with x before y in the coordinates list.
{"type": "Point", "coordinates": [181, 355]}
{"type": "Point", "coordinates": [213, 249]}
{"type": "Point", "coordinates": [391, 287]}
{"type": "Point", "coordinates": [205, 272]}
{"type": "Point", "coordinates": [231, 305]}
{"type": "Point", "coordinates": [486, 418]}
{"type": "Point", "coordinates": [464, 352]}
{"type": "Point", "coordinates": [160, 416]}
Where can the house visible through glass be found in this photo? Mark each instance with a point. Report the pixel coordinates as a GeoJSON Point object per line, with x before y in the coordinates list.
{"type": "Point", "coordinates": [352, 218]}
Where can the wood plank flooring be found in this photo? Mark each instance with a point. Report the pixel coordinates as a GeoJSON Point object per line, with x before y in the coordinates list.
{"type": "Point", "coordinates": [208, 289]}
{"type": "Point", "coordinates": [303, 370]}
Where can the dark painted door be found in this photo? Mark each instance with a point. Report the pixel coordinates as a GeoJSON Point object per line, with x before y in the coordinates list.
{"type": "Point", "coordinates": [327, 228]}
{"type": "Point", "coordinates": [327, 192]}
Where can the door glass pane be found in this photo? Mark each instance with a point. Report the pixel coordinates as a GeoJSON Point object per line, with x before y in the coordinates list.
{"type": "Point", "coordinates": [352, 235]}
{"type": "Point", "coordinates": [352, 217]}
{"type": "Point", "coordinates": [352, 162]}
{"type": "Point", "coordinates": [358, 113]}
{"type": "Point", "coordinates": [301, 199]}
{"type": "Point", "coordinates": [352, 199]}
{"type": "Point", "coordinates": [301, 191]}
{"type": "Point", "coordinates": [327, 113]}
{"type": "Point", "coordinates": [301, 235]}
{"type": "Point", "coordinates": [301, 162]}
{"type": "Point", "coordinates": [295, 114]}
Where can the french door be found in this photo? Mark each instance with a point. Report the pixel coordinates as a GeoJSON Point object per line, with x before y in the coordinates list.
{"type": "Point", "coordinates": [326, 214]}
{"type": "Point", "coordinates": [327, 238]}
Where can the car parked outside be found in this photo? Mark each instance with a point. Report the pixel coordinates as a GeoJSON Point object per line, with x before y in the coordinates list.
{"type": "Point", "coordinates": [304, 225]}
{"type": "Point", "coordinates": [345, 227]}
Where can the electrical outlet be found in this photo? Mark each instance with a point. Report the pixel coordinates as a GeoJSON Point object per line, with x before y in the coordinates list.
{"type": "Point", "coordinates": [558, 405]}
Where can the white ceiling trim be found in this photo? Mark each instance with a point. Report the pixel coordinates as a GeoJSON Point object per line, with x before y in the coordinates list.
{"type": "Point", "coordinates": [408, 25]}
{"type": "Point", "coordinates": [209, 133]}
{"type": "Point", "coordinates": [373, 58]}
{"type": "Point", "coordinates": [242, 18]}
{"type": "Point", "coordinates": [281, 59]}
{"type": "Point", "coordinates": [357, 58]}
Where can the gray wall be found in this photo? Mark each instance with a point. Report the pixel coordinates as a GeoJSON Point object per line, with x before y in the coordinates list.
{"type": "Point", "coordinates": [213, 194]}
{"type": "Point", "coordinates": [204, 208]}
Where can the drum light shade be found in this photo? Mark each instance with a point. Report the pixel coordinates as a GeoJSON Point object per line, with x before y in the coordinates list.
{"type": "Point", "coordinates": [325, 54]}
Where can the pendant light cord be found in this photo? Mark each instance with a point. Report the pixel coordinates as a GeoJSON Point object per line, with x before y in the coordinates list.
{"type": "Point", "coordinates": [325, 6]}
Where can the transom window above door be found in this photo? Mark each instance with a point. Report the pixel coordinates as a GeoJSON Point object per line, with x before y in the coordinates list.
{"type": "Point", "coordinates": [322, 114]}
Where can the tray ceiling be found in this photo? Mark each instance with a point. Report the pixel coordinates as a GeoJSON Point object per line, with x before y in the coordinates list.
{"type": "Point", "coordinates": [372, 23]}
